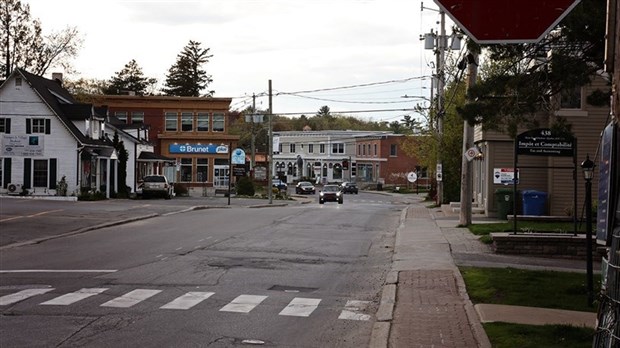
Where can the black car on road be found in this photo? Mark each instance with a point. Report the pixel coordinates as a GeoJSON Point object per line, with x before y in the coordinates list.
{"type": "Point", "coordinates": [348, 187]}
{"type": "Point", "coordinates": [331, 193]}
{"type": "Point", "coordinates": [305, 187]}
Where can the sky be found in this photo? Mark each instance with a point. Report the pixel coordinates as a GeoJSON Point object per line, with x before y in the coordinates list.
{"type": "Point", "coordinates": [309, 49]}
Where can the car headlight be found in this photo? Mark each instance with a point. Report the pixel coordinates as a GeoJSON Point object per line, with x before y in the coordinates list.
{"type": "Point", "coordinates": [338, 194]}
{"type": "Point", "coordinates": [321, 194]}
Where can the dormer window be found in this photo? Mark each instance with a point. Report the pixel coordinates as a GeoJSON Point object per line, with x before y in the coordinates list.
{"type": "Point", "coordinates": [18, 82]}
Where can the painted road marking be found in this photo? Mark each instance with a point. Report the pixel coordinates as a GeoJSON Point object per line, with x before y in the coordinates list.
{"type": "Point", "coordinates": [59, 271]}
{"type": "Point", "coordinates": [74, 297]}
{"type": "Point", "coordinates": [188, 300]}
{"type": "Point", "coordinates": [301, 307]}
{"type": "Point", "coordinates": [22, 295]}
{"type": "Point", "coordinates": [131, 298]}
{"type": "Point", "coordinates": [352, 309]}
{"type": "Point", "coordinates": [243, 303]}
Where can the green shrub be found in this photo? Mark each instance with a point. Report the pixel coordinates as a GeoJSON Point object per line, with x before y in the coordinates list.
{"type": "Point", "coordinates": [86, 195]}
{"type": "Point", "coordinates": [245, 187]}
{"type": "Point", "coordinates": [180, 189]}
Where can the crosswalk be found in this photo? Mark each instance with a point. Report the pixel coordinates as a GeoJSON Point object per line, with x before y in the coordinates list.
{"type": "Point", "coordinates": [245, 303]}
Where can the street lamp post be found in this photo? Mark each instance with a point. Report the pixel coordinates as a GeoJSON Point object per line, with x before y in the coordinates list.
{"type": "Point", "coordinates": [588, 171]}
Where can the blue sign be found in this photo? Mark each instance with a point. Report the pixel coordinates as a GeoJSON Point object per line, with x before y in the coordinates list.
{"type": "Point", "coordinates": [197, 149]}
{"type": "Point", "coordinates": [238, 156]}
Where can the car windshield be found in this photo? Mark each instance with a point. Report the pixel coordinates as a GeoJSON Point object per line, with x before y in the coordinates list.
{"type": "Point", "coordinates": [331, 189]}
{"type": "Point", "coordinates": [305, 183]}
{"type": "Point", "coordinates": [155, 179]}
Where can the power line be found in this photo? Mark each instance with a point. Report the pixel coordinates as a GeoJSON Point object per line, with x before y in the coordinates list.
{"type": "Point", "coordinates": [349, 101]}
{"type": "Point", "coordinates": [356, 86]}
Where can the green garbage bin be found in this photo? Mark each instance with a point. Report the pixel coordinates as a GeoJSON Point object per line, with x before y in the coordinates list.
{"type": "Point", "coordinates": [504, 198]}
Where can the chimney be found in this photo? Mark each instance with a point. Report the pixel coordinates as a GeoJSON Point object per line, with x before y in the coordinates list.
{"type": "Point", "coordinates": [57, 76]}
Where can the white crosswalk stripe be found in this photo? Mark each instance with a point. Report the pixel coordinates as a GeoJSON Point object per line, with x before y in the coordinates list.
{"type": "Point", "coordinates": [243, 304]}
{"type": "Point", "coordinates": [352, 311]}
{"type": "Point", "coordinates": [22, 295]}
{"type": "Point", "coordinates": [188, 300]}
{"type": "Point", "coordinates": [297, 307]}
{"type": "Point", "coordinates": [301, 307]}
{"type": "Point", "coordinates": [131, 298]}
{"type": "Point", "coordinates": [73, 297]}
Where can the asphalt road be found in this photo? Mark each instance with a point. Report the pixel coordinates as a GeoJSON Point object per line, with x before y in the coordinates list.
{"type": "Point", "coordinates": [296, 275]}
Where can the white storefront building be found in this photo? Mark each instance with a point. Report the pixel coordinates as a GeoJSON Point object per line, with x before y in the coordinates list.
{"type": "Point", "coordinates": [318, 156]}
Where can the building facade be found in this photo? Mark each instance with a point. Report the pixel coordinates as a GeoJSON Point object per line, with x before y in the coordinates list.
{"type": "Point", "coordinates": [189, 134]}
{"type": "Point", "coordinates": [51, 144]}
{"type": "Point", "coordinates": [337, 156]}
{"type": "Point", "coordinates": [553, 175]}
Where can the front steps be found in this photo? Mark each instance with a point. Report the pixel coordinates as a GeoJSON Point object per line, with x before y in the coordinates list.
{"type": "Point", "coordinates": [475, 209]}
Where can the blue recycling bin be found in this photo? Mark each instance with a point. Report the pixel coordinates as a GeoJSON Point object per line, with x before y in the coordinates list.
{"type": "Point", "coordinates": [534, 202]}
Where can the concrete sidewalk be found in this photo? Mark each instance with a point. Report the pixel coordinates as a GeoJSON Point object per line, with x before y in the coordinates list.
{"type": "Point", "coordinates": [425, 303]}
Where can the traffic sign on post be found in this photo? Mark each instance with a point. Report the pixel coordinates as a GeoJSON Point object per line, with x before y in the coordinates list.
{"type": "Point", "coordinates": [507, 21]}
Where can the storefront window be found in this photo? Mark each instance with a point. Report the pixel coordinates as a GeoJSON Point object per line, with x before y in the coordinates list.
{"type": "Point", "coordinates": [337, 174]}
{"type": "Point", "coordinates": [202, 169]}
{"type": "Point", "coordinates": [186, 169]}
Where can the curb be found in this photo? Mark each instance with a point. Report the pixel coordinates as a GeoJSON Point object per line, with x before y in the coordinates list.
{"type": "Point", "coordinates": [82, 230]}
{"type": "Point", "coordinates": [385, 313]}
{"type": "Point", "coordinates": [472, 315]}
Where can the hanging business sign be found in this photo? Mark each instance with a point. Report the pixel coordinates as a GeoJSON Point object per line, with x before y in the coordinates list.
{"type": "Point", "coordinates": [197, 149]}
{"type": "Point", "coordinates": [543, 142]}
{"type": "Point", "coordinates": [238, 156]}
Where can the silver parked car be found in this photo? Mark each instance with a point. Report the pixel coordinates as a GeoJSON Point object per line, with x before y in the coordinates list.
{"type": "Point", "coordinates": [156, 185]}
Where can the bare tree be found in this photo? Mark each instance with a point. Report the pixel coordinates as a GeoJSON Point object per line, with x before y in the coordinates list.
{"type": "Point", "coordinates": [24, 45]}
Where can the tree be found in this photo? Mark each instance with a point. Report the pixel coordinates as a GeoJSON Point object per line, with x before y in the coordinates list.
{"type": "Point", "coordinates": [520, 79]}
{"type": "Point", "coordinates": [130, 79]}
{"type": "Point", "coordinates": [123, 157]}
{"type": "Point", "coordinates": [186, 77]}
{"type": "Point", "coordinates": [24, 46]}
{"type": "Point", "coordinates": [83, 89]}
{"type": "Point", "coordinates": [324, 111]}
{"type": "Point", "coordinates": [426, 143]}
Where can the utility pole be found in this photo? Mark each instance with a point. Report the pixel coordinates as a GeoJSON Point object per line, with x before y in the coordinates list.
{"type": "Point", "coordinates": [438, 42]}
{"type": "Point", "coordinates": [270, 151]}
{"type": "Point", "coordinates": [441, 48]}
{"type": "Point", "coordinates": [252, 159]}
{"type": "Point", "coordinates": [468, 141]}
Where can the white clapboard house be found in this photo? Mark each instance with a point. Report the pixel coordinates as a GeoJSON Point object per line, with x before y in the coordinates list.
{"type": "Point", "coordinates": [53, 145]}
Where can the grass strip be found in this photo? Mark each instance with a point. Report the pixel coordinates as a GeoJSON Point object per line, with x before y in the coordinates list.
{"type": "Point", "coordinates": [518, 287]}
{"type": "Point", "coordinates": [505, 335]}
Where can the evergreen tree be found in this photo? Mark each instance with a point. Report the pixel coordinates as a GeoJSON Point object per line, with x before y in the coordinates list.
{"type": "Point", "coordinates": [123, 157]}
{"type": "Point", "coordinates": [130, 79]}
{"type": "Point", "coordinates": [186, 77]}
{"type": "Point", "coordinates": [24, 46]}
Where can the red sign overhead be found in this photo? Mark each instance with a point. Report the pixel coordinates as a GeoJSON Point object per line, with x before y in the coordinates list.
{"type": "Point", "coordinates": [507, 21]}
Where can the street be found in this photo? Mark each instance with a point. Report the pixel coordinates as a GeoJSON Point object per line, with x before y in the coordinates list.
{"type": "Point", "coordinates": [287, 276]}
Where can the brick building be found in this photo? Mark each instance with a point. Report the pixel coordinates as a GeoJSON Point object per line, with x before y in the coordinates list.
{"type": "Point", "coordinates": [190, 134]}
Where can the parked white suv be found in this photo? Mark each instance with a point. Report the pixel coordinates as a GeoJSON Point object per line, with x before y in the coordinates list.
{"type": "Point", "coordinates": [156, 185]}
